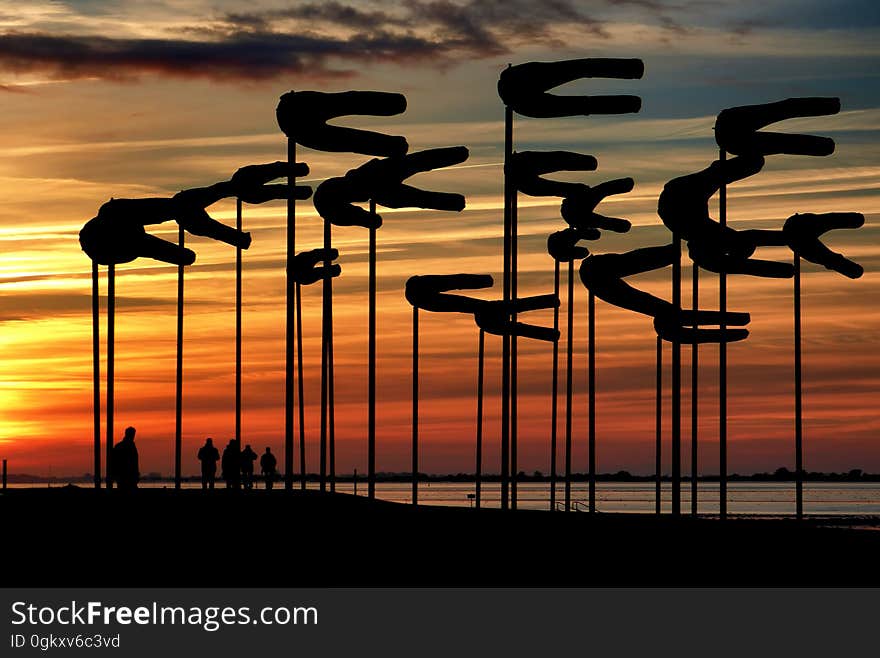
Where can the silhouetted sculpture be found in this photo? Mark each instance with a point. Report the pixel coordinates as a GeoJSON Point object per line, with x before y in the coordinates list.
{"type": "Point", "coordinates": [604, 276]}
{"type": "Point", "coordinates": [684, 208]}
{"type": "Point", "coordinates": [267, 467]}
{"type": "Point", "coordinates": [737, 129]}
{"type": "Point", "coordinates": [247, 458]}
{"type": "Point", "coordinates": [494, 317]}
{"type": "Point", "coordinates": [125, 467]}
{"type": "Point", "coordinates": [524, 87]}
{"type": "Point", "coordinates": [308, 267]}
{"type": "Point", "coordinates": [430, 292]}
{"type": "Point", "coordinates": [563, 246]}
{"type": "Point", "coordinates": [231, 464]}
{"type": "Point", "coordinates": [116, 235]}
{"type": "Point", "coordinates": [526, 169]}
{"type": "Point", "coordinates": [578, 210]}
{"type": "Point", "coordinates": [382, 182]}
{"type": "Point", "coordinates": [209, 456]}
{"type": "Point", "coordinates": [802, 232]}
{"type": "Point", "coordinates": [303, 116]}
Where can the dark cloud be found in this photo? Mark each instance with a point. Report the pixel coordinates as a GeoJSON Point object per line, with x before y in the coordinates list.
{"type": "Point", "coordinates": [291, 42]}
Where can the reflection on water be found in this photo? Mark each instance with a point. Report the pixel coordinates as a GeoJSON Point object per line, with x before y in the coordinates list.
{"type": "Point", "coordinates": [856, 498]}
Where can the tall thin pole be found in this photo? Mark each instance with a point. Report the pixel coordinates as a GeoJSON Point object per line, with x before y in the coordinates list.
{"type": "Point", "coordinates": [331, 394]}
{"type": "Point", "coordinates": [505, 341]}
{"type": "Point", "coordinates": [301, 391]}
{"type": "Point", "coordinates": [514, 418]}
{"type": "Point", "coordinates": [722, 363]}
{"type": "Point", "coordinates": [415, 407]}
{"type": "Point", "coordinates": [178, 403]}
{"type": "Point", "coordinates": [554, 395]}
{"type": "Point", "coordinates": [591, 339]}
{"type": "Point", "coordinates": [290, 291]}
{"type": "Point", "coordinates": [325, 335]}
{"type": "Point", "coordinates": [96, 371]}
{"type": "Point", "coordinates": [676, 383]}
{"type": "Point", "coordinates": [111, 338]}
{"type": "Point", "coordinates": [371, 366]}
{"type": "Point", "coordinates": [695, 392]}
{"type": "Point", "coordinates": [568, 383]}
{"type": "Point", "coordinates": [658, 439]}
{"type": "Point", "coordinates": [238, 225]}
{"type": "Point", "coordinates": [798, 394]}
{"type": "Point", "coordinates": [478, 476]}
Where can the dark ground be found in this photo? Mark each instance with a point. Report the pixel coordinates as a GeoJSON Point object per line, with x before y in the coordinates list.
{"type": "Point", "coordinates": [162, 538]}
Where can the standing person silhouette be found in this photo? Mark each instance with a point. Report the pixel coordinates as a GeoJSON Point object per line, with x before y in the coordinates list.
{"type": "Point", "coordinates": [209, 456]}
{"type": "Point", "coordinates": [125, 467]}
{"type": "Point", "coordinates": [231, 464]}
{"type": "Point", "coordinates": [267, 467]}
{"type": "Point", "coordinates": [248, 457]}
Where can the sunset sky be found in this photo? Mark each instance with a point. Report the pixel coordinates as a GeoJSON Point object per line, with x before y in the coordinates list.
{"type": "Point", "coordinates": [138, 99]}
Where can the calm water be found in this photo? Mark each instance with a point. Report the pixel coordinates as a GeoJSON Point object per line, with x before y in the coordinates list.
{"type": "Point", "coordinates": [743, 497]}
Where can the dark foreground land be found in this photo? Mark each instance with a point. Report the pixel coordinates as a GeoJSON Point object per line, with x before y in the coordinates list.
{"type": "Point", "coordinates": [162, 538]}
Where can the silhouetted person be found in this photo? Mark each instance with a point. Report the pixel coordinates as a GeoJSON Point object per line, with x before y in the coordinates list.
{"type": "Point", "coordinates": [524, 87]}
{"type": "Point", "coordinates": [495, 317]}
{"type": "Point", "coordinates": [579, 209]}
{"type": "Point", "coordinates": [231, 465]}
{"type": "Point", "coordinates": [308, 267]}
{"type": "Point", "coordinates": [267, 467]}
{"type": "Point", "coordinates": [737, 129]}
{"type": "Point", "coordinates": [684, 208]}
{"type": "Point", "coordinates": [429, 292]}
{"type": "Point", "coordinates": [382, 181]}
{"type": "Point", "coordinates": [209, 456]}
{"type": "Point", "coordinates": [303, 117]}
{"type": "Point", "coordinates": [803, 231]}
{"type": "Point", "coordinates": [248, 457]}
{"type": "Point", "coordinates": [125, 467]}
{"type": "Point", "coordinates": [604, 276]}
{"type": "Point", "coordinates": [526, 169]}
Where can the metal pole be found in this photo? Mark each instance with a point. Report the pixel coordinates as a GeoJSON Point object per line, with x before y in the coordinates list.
{"type": "Point", "coordinates": [4, 475]}
{"type": "Point", "coordinates": [415, 407]}
{"type": "Point", "coordinates": [371, 366]}
{"type": "Point", "coordinates": [695, 392]}
{"type": "Point", "coordinates": [798, 394]}
{"type": "Point", "coordinates": [96, 372]}
{"type": "Point", "coordinates": [554, 402]}
{"type": "Point", "coordinates": [111, 338]}
{"type": "Point", "coordinates": [289, 321]}
{"type": "Point", "coordinates": [568, 384]}
{"type": "Point", "coordinates": [591, 339]}
{"type": "Point", "coordinates": [514, 464]}
{"type": "Point", "coordinates": [238, 225]}
{"type": "Point", "coordinates": [178, 402]}
{"type": "Point", "coordinates": [658, 441]}
{"type": "Point", "coordinates": [722, 363]}
{"type": "Point", "coordinates": [478, 477]}
{"type": "Point", "coordinates": [301, 391]}
{"type": "Point", "coordinates": [325, 303]}
{"type": "Point", "coordinates": [505, 341]}
{"type": "Point", "coordinates": [676, 383]}
{"type": "Point", "coordinates": [331, 384]}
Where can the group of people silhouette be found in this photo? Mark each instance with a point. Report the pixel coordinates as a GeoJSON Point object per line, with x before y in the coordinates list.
{"type": "Point", "coordinates": [237, 466]}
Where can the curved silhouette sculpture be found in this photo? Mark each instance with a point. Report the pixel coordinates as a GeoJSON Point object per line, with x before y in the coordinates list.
{"type": "Point", "coordinates": [738, 129]}
{"type": "Point", "coordinates": [526, 170]}
{"type": "Point", "coordinates": [430, 292]}
{"type": "Point", "coordinates": [382, 181]}
{"type": "Point", "coordinates": [684, 208]}
{"type": "Point", "coordinates": [563, 246]}
{"type": "Point", "coordinates": [579, 209]}
{"type": "Point", "coordinates": [493, 317]}
{"type": "Point", "coordinates": [524, 87]}
{"type": "Point", "coordinates": [309, 267]}
{"type": "Point", "coordinates": [604, 276]}
{"type": "Point", "coordinates": [803, 232]}
{"type": "Point", "coordinates": [303, 117]}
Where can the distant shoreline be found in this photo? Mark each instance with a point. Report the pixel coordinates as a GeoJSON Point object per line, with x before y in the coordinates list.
{"type": "Point", "coordinates": [780, 475]}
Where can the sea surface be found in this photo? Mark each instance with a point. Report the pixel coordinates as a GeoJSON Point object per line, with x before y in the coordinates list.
{"type": "Point", "coordinates": [746, 498]}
